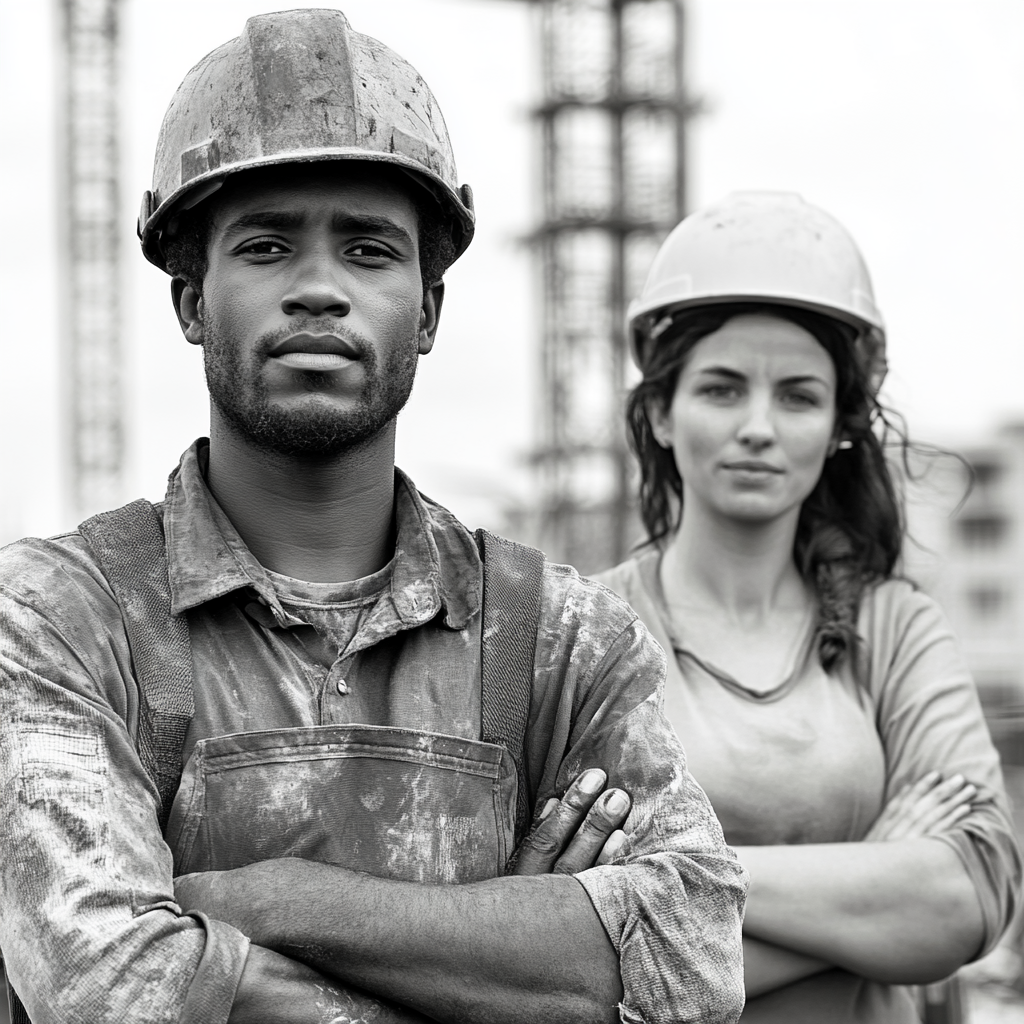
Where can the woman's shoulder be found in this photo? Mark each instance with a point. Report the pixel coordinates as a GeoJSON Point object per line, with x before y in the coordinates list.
{"type": "Point", "coordinates": [897, 623]}
{"type": "Point", "coordinates": [890, 606]}
{"type": "Point", "coordinates": [628, 578]}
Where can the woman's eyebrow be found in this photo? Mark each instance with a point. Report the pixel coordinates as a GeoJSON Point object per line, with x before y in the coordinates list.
{"type": "Point", "coordinates": [723, 371]}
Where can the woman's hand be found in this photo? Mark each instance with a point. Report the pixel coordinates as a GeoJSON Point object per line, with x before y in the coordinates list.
{"type": "Point", "coordinates": [929, 807]}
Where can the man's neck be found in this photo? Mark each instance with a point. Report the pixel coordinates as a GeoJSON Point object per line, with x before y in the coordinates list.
{"type": "Point", "coordinates": [319, 520]}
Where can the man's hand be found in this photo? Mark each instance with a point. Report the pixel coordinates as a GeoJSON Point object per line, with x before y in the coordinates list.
{"type": "Point", "coordinates": [576, 832]}
{"type": "Point", "coordinates": [928, 807]}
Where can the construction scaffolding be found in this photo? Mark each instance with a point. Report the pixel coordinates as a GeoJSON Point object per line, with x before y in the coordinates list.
{"type": "Point", "coordinates": [91, 395]}
{"type": "Point", "coordinates": [612, 124]}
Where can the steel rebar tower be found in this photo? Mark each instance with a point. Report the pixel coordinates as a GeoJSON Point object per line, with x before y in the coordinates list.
{"type": "Point", "coordinates": [612, 121]}
{"type": "Point", "coordinates": [91, 398]}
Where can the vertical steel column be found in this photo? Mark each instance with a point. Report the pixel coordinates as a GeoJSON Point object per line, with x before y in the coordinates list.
{"type": "Point", "coordinates": [90, 364]}
{"type": "Point", "coordinates": [612, 122]}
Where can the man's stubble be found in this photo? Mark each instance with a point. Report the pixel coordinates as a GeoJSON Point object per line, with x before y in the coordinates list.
{"type": "Point", "coordinates": [320, 428]}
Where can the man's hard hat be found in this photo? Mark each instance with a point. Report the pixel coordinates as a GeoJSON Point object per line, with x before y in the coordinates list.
{"type": "Point", "coordinates": [299, 87]}
{"type": "Point", "coordinates": [766, 247]}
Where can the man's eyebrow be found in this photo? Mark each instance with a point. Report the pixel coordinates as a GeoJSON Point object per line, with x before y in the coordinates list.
{"type": "Point", "coordinates": [275, 220]}
{"type": "Point", "coordinates": [371, 225]}
{"type": "Point", "coordinates": [282, 220]}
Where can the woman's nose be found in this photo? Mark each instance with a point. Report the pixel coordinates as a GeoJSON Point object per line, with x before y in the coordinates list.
{"type": "Point", "coordinates": [317, 290]}
{"type": "Point", "coordinates": [757, 429]}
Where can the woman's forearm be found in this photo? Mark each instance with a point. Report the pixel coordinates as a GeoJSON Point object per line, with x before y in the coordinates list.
{"type": "Point", "coordinates": [901, 912]}
{"type": "Point", "coordinates": [767, 967]}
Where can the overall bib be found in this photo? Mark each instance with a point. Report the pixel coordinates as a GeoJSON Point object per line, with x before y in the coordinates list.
{"type": "Point", "coordinates": [397, 803]}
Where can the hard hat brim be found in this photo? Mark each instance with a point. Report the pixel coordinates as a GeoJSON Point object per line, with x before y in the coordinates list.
{"type": "Point", "coordinates": [154, 221]}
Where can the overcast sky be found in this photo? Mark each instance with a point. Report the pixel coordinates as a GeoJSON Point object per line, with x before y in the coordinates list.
{"type": "Point", "coordinates": [904, 118]}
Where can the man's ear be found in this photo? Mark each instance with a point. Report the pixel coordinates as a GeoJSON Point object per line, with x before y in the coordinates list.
{"type": "Point", "coordinates": [430, 315]}
{"type": "Point", "coordinates": [188, 309]}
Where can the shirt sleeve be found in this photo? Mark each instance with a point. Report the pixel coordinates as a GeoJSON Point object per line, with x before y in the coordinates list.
{"type": "Point", "coordinates": [929, 718]}
{"type": "Point", "coordinates": [89, 930]}
{"type": "Point", "coordinates": [672, 900]}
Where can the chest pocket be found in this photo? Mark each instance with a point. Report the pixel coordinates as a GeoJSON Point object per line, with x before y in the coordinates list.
{"type": "Point", "coordinates": [397, 803]}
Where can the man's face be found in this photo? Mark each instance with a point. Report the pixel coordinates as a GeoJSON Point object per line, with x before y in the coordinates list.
{"type": "Point", "coordinates": [312, 315]}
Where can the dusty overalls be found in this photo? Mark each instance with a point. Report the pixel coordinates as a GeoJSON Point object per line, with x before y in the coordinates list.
{"type": "Point", "coordinates": [397, 803]}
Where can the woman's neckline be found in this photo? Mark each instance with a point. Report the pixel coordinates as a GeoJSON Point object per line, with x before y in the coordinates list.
{"type": "Point", "coordinates": [648, 567]}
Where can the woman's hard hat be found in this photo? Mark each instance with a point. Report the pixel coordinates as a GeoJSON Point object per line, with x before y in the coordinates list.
{"type": "Point", "coordinates": [298, 87]}
{"type": "Point", "coordinates": [766, 247]}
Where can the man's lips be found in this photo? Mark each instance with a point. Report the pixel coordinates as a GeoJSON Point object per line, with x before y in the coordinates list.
{"type": "Point", "coordinates": [314, 352]}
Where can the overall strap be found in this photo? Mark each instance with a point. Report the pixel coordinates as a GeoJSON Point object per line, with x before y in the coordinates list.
{"type": "Point", "coordinates": [129, 545]}
{"type": "Point", "coordinates": [513, 576]}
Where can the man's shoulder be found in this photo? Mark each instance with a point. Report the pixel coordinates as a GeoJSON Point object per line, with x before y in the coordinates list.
{"type": "Point", "coordinates": [54, 574]}
{"type": "Point", "coordinates": [571, 598]}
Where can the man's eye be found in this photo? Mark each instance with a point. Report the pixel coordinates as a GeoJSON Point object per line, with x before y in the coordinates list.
{"type": "Point", "coordinates": [263, 247]}
{"type": "Point", "coordinates": [369, 250]}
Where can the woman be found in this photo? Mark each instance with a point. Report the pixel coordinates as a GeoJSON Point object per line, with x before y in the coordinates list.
{"type": "Point", "coordinates": [821, 700]}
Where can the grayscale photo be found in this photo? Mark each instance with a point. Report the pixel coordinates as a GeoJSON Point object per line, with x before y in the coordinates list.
{"type": "Point", "coordinates": [512, 512]}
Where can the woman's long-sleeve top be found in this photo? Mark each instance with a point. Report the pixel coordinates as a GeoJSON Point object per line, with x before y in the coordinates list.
{"type": "Point", "coordinates": [817, 758]}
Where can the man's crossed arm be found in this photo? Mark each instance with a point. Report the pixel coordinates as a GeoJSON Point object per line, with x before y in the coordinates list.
{"type": "Point", "coordinates": [334, 944]}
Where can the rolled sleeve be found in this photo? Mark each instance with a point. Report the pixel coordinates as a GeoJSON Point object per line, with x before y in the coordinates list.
{"type": "Point", "coordinates": [672, 900]}
{"type": "Point", "coordinates": [89, 927]}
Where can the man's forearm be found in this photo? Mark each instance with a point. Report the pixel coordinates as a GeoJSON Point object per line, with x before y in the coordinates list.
{"type": "Point", "coordinates": [496, 952]}
{"type": "Point", "coordinates": [901, 912]}
{"type": "Point", "coordinates": [275, 989]}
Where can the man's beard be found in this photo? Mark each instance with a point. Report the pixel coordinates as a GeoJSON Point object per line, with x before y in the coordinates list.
{"type": "Point", "coordinates": [320, 429]}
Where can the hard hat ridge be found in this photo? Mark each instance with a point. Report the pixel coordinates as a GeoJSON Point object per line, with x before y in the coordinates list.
{"type": "Point", "coordinates": [299, 87]}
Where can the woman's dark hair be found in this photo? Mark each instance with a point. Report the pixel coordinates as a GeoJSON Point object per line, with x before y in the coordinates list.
{"type": "Point", "coordinates": [186, 252]}
{"type": "Point", "coordinates": [850, 529]}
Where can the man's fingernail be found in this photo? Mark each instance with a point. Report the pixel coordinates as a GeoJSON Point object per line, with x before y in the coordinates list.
{"type": "Point", "coordinates": [592, 781]}
{"type": "Point", "coordinates": [617, 802]}
{"type": "Point", "coordinates": [548, 807]}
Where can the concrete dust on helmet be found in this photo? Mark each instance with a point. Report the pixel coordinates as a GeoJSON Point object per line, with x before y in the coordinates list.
{"type": "Point", "coordinates": [299, 87]}
{"type": "Point", "coordinates": [770, 247]}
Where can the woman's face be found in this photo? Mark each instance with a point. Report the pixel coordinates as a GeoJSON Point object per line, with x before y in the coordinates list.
{"type": "Point", "coordinates": [752, 419]}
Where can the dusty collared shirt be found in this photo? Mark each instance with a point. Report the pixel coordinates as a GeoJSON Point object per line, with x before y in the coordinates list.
{"type": "Point", "coordinates": [88, 923]}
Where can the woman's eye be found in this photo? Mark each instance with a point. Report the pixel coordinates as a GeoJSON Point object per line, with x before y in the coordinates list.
{"type": "Point", "coordinates": [800, 399]}
{"type": "Point", "coordinates": [720, 391]}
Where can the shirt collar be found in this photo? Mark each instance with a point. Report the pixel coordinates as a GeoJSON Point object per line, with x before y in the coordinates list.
{"type": "Point", "coordinates": [436, 567]}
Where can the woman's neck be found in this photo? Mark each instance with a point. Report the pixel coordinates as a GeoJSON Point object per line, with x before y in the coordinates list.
{"type": "Point", "coordinates": [324, 520]}
{"type": "Point", "coordinates": [740, 569]}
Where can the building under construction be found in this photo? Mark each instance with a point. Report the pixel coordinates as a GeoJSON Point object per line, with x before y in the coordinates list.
{"type": "Point", "coordinates": [611, 125]}
{"type": "Point", "coordinates": [91, 399]}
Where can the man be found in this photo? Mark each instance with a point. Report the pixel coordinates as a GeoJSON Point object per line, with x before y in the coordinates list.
{"type": "Point", "coordinates": [342, 831]}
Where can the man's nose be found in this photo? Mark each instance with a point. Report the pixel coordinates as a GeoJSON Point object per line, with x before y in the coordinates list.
{"type": "Point", "coordinates": [317, 290]}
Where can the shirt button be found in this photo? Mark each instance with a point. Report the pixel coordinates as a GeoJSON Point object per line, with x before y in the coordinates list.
{"type": "Point", "coordinates": [342, 687]}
